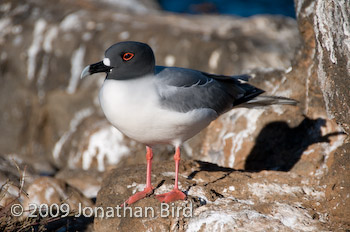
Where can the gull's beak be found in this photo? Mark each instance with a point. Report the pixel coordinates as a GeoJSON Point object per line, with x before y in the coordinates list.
{"type": "Point", "coordinates": [95, 68]}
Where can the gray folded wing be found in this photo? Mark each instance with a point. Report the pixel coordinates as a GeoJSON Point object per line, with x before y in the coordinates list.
{"type": "Point", "coordinates": [184, 90]}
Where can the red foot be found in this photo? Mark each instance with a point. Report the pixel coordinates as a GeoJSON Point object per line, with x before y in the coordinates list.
{"type": "Point", "coordinates": [174, 195]}
{"type": "Point", "coordinates": [138, 196]}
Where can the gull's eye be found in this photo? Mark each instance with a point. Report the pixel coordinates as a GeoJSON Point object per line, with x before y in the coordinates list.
{"type": "Point", "coordinates": [128, 56]}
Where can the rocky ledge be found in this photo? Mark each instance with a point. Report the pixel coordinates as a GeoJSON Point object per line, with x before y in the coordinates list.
{"type": "Point", "coordinates": [218, 199]}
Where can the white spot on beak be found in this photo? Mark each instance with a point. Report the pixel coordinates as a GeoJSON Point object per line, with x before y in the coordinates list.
{"type": "Point", "coordinates": [106, 62]}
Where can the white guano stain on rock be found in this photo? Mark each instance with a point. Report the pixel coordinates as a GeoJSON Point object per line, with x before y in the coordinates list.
{"type": "Point", "coordinates": [5, 27]}
{"type": "Point", "coordinates": [134, 5]}
{"type": "Point", "coordinates": [170, 60]}
{"type": "Point", "coordinates": [44, 70]}
{"type": "Point", "coordinates": [198, 191]}
{"type": "Point", "coordinates": [214, 59]}
{"type": "Point", "coordinates": [16, 29]}
{"type": "Point", "coordinates": [323, 19]}
{"type": "Point", "coordinates": [136, 187]}
{"type": "Point", "coordinates": [124, 35]}
{"type": "Point", "coordinates": [213, 221]}
{"type": "Point", "coordinates": [318, 27]}
{"type": "Point", "coordinates": [216, 153]}
{"type": "Point", "coordinates": [293, 217]}
{"type": "Point", "coordinates": [71, 22]}
{"type": "Point", "coordinates": [329, 148]}
{"type": "Point", "coordinates": [86, 36]}
{"type": "Point", "coordinates": [274, 88]}
{"type": "Point", "coordinates": [77, 65]}
{"type": "Point", "coordinates": [105, 145]}
{"type": "Point", "coordinates": [288, 70]}
{"type": "Point", "coordinates": [91, 191]}
{"type": "Point", "coordinates": [307, 10]}
{"type": "Point", "coordinates": [35, 47]}
{"type": "Point", "coordinates": [50, 35]}
{"type": "Point", "coordinates": [49, 191]}
{"type": "Point", "coordinates": [265, 190]}
{"type": "Point", "coordinates": [318, 195]}
{"type": "Point", "coordinates": [332, 29]}
{"type": "Point", "coordinates": [230, 217]}
{"type": "Point", "coordinates": [252, 116]}
{"type": "Point", "coordinates": [238, 216]}
{"type": "Point", "coordinates": [77, 119]}
{"type": "Point", "coordinates": [308, 152]}
{"type": "Point", "coordinates": [165, 188]}
{"type": "Point", "coordinates": [5, 7]}
{"type": "Point", "coordinates": [310, 9]}
{"type": "Point", "coordinates": [298, 7]}
{"type": "Point", "coordinates": [9, 187]}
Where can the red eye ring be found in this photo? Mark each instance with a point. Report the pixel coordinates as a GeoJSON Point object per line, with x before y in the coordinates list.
{"type": "Point", "coordinates": [128, 56]}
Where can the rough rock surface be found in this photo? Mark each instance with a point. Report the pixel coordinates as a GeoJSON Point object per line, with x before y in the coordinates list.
{"type": "Point", "coordinates": [219, 199]}
{"type": "Point", "coordinates": [324, 61]}
{"type": "Point", "coordinates": [88, 182]}
{"type": "Point", "coordinates": [47, 190]}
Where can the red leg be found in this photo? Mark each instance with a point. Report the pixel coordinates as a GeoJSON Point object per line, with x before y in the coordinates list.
{"type": "Point", "coordinates": [175, 194]}
{"type": "Point", "coordinates": [149, 189]}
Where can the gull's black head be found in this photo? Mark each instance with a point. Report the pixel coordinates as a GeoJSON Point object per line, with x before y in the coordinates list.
{"type": "Point", "coordinates": [124, 60]}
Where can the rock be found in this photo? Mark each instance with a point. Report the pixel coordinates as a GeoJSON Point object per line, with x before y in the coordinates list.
{"type": "Point", "coordinates": [324, 61]}
{"type": "Point", "coordinates": [218, 199]}
{"type": "Point", "coordinates": [135, 6]}
{"type": "Point", "coordinates": [94, 144]}
{"type": "Point", "coordinates": [42, 194]}
{"type": "Point", "coordinates": [332, 55]}
{"type": "Point", "coordinates": [87, 182]}
{"type": "Point", "coordinates": [337, 188]}
{"type": "Point", "coordinates": [50, 191]}
{"type": "Point", "coordinates": [9, 195]}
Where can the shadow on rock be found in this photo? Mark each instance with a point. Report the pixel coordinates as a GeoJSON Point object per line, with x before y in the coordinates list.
{"type": "Point", "coordinates": [209, 167]}
{"type": "Point", "coordinates": [67, 224]}
{"type": "Point", "coordinates": [279, 147]}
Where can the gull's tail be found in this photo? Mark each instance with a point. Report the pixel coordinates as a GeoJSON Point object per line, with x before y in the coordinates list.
{"type": "Point", "coordinates": [269, 100]}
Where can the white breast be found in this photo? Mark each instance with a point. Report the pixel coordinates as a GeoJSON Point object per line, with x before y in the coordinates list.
{"type": "Point", "coordinates": [132, 106]}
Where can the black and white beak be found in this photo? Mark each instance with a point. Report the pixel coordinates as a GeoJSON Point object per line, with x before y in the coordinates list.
{"type": "Point", "coordinates": [102, 66]}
